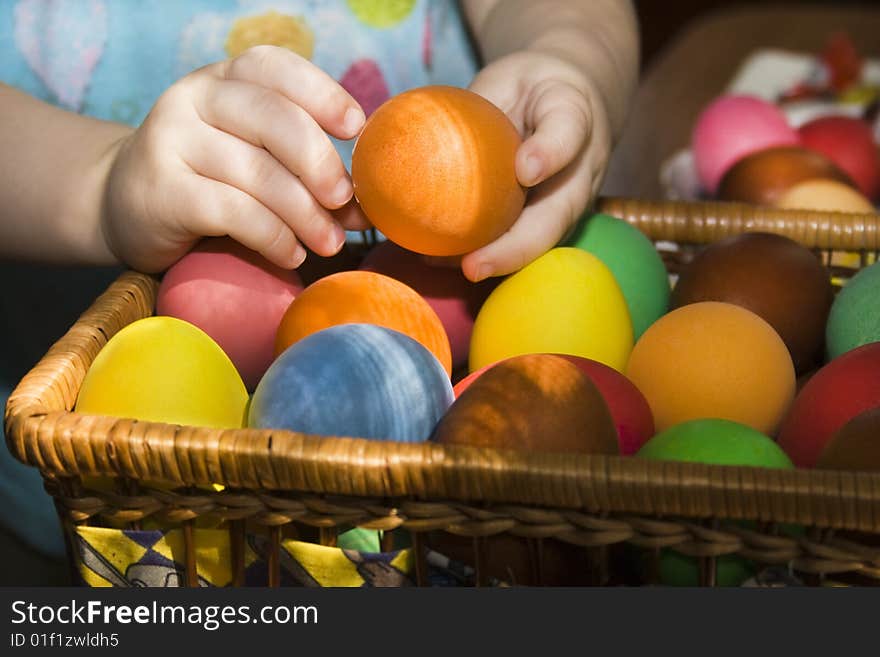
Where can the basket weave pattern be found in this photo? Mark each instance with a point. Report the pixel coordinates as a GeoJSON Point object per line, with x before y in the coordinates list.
{"type": "Point", "coordinates": [282, 479]}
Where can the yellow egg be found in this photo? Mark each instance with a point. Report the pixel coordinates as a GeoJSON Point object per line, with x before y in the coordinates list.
{"type": "Point", "coordinates": [163, 369]}
{"type": "Point", "coordinates": [565, 302]}
{"type": "Point", "coordinates": [823, 194]}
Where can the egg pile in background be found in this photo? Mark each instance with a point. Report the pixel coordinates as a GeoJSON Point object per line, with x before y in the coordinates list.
{"type": "Point", "coordinates": [750, 360]}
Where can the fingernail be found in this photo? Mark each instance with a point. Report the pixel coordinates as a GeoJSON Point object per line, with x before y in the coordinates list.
{"type": "Point", "coordinates": [531, 169]}
{"type": "Point", "coordinates": [336, 239]}
{"type": "Point", "coordinates": [299, 256]}
{"type": "Point", "coordinates": [353, 121]}
{"type": "Point", "coordinates": [483, 271]}
{"type": "Point", "coordinates": [343, 191]}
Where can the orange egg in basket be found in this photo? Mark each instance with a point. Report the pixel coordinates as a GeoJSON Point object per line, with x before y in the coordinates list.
{"type": "Point", "coordinates": [434, 171]}
{"type": "Point", "coordinates": [713, 360]}
{"type": "Point", "coordinates": [364, 297]}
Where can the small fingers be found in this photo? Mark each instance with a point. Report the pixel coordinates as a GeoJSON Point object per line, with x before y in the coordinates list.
{"type": "Point", "coordinates": [224, 158]}
{"type": "Point", "coordinates": [216, 208]}
{"type": "Point", "coordinates": [302, 83]}
{"type": "Point", "coordinates": [542, 224]}
{"type": "Point", "coordinates": [265, 118]}
{"type": "Point", "coordinates": [562, 124]}
{"type": "Point", "coordinates": [351, 217]}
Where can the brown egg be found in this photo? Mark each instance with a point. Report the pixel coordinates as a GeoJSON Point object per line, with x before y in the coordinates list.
{"type": "Point", "coordinates": [774, 277]}
{"type": "Point", "coordinates": [534, 402]}
{"type": "Point", "coordinates": [760, 178]}
{"type": "Point", "coordinates": [856, 446]}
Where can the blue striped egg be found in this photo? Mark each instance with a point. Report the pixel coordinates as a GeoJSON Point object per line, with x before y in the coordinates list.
{"type": "Point", "coordinates": [357, 380]}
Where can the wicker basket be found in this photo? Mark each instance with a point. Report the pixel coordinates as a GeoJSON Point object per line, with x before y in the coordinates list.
{"type": "Point", "coordinates": [281, 480]}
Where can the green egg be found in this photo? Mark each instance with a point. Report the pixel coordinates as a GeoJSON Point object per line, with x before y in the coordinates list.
{"type": "Point", "coordinates": [716, 442]}
{"type": "Point", "coordinates": [633, 260]}
{"type": "Point", "coordinates": [855, 314]}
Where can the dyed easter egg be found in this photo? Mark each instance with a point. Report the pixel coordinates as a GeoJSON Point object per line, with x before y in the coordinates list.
{"type": "Point", "coordinates": [844, 388]}
{"type": "Point", "coordinates": [848, 142]}
{"type": "Point", "coordinates": [536, 402]}
{"type": "Point", "coordinates": [635, 263]}
{"type": "Point", "coordinates": [819, 194]}
{"type": "Point", "coordinates": [715, 442]}
{"type": "Point", "coordinates": [776, 278]}
{"type": "Point", "coordinates": [732, 127]}
{"type": "Point", "coordinates": [356, 380]}
{"type": "Point", "coordinates": [762, 177]}
{"type": "Point", "coordinates": [565, 302]}
{"type": "Point", "coordinates": [629, 410]}
{"type": "Point", "coordinates": [234, 295]}
{"type": "Point", "coordinates": [434, 170]}
{"type": "Point", "coordinates": [363, 297]}
{"type": "Point", "coordinates": [713, 360]}
{"type": "Point", "coordinates": [455, 299]}
{"type": "Point", "coordinates": [856, 446]}
{"type": "Point", "coordinates": [163, 369]}
{"type": "Point", "coordinates": [854, 319]}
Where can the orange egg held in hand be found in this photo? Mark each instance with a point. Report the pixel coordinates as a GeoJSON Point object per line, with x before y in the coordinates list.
{"type": "Point", "coordinates": [713, 360]}
{"type": "Point", "coordinates": [434, 171]}
{"type": "Point", "coordinates": [364, 297]}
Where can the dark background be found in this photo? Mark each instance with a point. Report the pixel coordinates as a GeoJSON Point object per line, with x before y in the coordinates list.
{"type": "Point", "coordinates": [661, 20]}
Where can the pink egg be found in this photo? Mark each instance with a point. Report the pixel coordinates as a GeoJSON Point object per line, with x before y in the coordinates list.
{"type": "Point", "coordinates": [235, 296]}
{"type": "Point", "coordinates": [629, 408]}
{"type": "Point", "coordinates": [730, 128]}
{"type": "Point", "coordinates": [453, 297]}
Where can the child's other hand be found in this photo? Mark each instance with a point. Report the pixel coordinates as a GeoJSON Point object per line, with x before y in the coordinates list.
{"type": "Point", "coordinates": [237, 148]}
{"type": "Point", "coordinates": [565, 150]}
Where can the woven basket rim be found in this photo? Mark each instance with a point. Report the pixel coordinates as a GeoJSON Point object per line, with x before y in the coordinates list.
{"type": "Point", "coordinates": [42, 432]}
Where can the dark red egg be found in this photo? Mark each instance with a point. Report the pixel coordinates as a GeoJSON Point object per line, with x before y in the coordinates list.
{"type": "Point", "coordinates": [844, 388]}
{"type": "Point", "coordinates": [849, 143]}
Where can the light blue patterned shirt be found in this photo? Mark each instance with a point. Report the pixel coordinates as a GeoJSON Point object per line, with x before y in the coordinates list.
{"type": "Point", "coordinates": [113, 58]}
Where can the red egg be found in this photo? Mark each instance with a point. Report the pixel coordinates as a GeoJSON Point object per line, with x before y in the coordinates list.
{"type": "Point", "coordinates": [849, 143]}
{"type": "Point", "coordinates": [455, 299]}
{"type": "Point", "coordinates": [732, 127]}
{"type": "Point", "coordinates": [235, 296]}
{"type": "Point", "coordinates": [845, 387]}
{"type": "Point", "coordinates": [629, 409]}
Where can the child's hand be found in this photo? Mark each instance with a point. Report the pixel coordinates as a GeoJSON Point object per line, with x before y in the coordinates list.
{"type": "Point", "coordinates": [238, 148]}
{"type": "Point", "coordinates": [567, 143]}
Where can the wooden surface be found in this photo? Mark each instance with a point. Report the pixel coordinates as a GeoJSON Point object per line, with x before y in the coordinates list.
{"type": "Point", "coordinates": [698, 66]}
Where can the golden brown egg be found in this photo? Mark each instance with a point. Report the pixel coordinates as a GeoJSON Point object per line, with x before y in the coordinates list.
{"type": "Point", "coordinates": [537, 402]}
{"type": "Point", "coordinates": [856, 446]}
{"type": "Point", "coordinates": [760, 178]}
